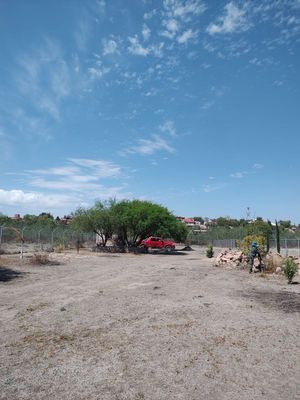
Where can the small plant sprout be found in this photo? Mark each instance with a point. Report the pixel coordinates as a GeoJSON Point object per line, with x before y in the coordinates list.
{"type": "Point", "coordinates": [210, 252]}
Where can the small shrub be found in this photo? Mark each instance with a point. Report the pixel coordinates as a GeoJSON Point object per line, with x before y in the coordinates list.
{"type": "Point", "coordinates": [289, 268]}
{"type": "Point", "coordinates": [40, 259]}
{"type": "Point", "coordinates": [210, 252]}
{"type": "Point", "coordinates": [59, 248]}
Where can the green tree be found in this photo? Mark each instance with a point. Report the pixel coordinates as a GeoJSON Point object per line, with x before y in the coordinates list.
{"type": "Point", "coordinates": [260, 228]}
{"type": "Point", "coordinates": [285, 224]}
{"type": "Point", "coordinates": [135, 220]}
{"type": "Point", "coordinates": [97, 219]}
{"type": "Point", "coordinates": [4, 219]}
{"type": "Point", "coordinates": [277, 236]}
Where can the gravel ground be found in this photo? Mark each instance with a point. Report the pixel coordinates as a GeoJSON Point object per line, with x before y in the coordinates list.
{"type": "Point", "coordinates": [116, 327]}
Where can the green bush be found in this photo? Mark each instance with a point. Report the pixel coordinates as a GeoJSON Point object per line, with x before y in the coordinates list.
{"type": "Point", "coordinates": [244, 245]}
{"type": "Point", "coordinates": [59, 248]}
{"type": "Point", "coordinates": [289, 268]}
{"type": "Point", "coordinates": [210, 252]}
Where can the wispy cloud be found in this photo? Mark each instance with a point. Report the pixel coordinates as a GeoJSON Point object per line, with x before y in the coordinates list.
{"type": "Point", "coordinates": [213, 187]}
{"type": "Point", "coordinates": [96, 73]}
{"type": "Point", "coordinates": [171, 28]}
{"type": "Point", "coordinates": [257, 166]}
{"type": "Point", "coordinates": [184, 9]}
{"type": "Point", "coordinates": [91, 12]}
{"type": "Point", "coordinates": [99, 168]}
{"type": "Point", "coordinates": [187, 36]}
{"type": "Point", "coordinates": [78, 176]}
{"type": "Point", "coordinates": [136, 48]}
{"type": "Point", "coordinates": [233, 20]}
{"type": "Point", "coordinates": [146, 32]}
{"type": "Point", "coordinates": [44, 77]}
{"type": "Point", "coordinates": [239, 175]}
{"type": "Point", "coordinates": [110, 46]}
{"type": "Point", "coordinates": [6, 148]}
{"type": "Point", "coordinates": [150, 146]}
{"type": "Point", "coordinates": [67, 185]}
{"type": "Point", "coordinates": [168, 127]}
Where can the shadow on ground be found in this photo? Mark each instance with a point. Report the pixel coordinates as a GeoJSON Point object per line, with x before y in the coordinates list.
{"type": "Point", "coordinates": [169, 253]}
{"type": "Point", "coordinates": [288, 302]}
{"type": "Point", "coordinates": [8, 274]}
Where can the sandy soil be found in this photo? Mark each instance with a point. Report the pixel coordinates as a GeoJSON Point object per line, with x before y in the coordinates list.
{"type": "Point", "coordinates": [116, 327]}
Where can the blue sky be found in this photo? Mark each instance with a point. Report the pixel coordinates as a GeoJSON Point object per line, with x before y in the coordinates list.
{"type": "Point", "coordinates": [191, 104]}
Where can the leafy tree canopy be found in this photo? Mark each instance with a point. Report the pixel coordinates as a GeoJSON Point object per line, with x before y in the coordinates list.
{"type": "Point", "coordinates": [131, 220]}
{"type": "Point", "coordinates": [135, 220]}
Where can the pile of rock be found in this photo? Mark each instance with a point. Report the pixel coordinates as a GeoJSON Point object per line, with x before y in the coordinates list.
{"type": "Point", "coordinates": [230, 258]}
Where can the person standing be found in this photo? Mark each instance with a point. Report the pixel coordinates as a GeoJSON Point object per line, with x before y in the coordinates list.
{"type": "Point", "coordinates": [254, 252]}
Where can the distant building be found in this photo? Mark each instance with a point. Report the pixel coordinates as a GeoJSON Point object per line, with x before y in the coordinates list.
{"type": "Point", "coordinates": [16, 217]}
{"type": "Point", "coordinates": [65, 220]}
{"type": "Point", "coordinates": [192, 223]}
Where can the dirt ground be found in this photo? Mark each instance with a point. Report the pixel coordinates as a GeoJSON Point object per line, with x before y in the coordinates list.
{"type": "Point", "coordinates": [122, 327]}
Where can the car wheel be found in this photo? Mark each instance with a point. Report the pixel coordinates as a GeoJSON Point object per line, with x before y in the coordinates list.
{"type": "Point", "coordinates": [169, 248]}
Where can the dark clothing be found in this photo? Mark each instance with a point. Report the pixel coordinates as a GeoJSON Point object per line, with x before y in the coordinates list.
{"type": "Point", "coordinates": [254, 252]}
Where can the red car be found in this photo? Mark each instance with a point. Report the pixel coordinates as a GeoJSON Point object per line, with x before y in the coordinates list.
{"type": "Point", "coordinates": [157, 243]}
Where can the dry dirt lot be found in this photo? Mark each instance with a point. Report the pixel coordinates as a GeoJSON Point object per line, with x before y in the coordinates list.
{"type": "Point", "coordinates": [116, 327]}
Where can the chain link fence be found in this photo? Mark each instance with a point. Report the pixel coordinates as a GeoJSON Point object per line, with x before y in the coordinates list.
{"type": "Point", "coordinates": [288, 246]}
{"type": "Point", "coordinates": [14, 240]}
{"type": "Point", "coordinates": [28, 239]}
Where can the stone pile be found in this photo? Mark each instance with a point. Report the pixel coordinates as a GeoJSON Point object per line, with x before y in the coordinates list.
{"type": "Point", "coordinates": [230, 258]}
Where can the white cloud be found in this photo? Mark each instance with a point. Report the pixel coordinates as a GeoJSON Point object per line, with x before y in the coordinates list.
{"type": "Point", "coordinates": [239, 175]}
{"type": "Point", "coordinates": [184, 9]}
{"type": "Point", "coordinates": [66, 185]}
{"type": "Point", "coordinates": [97, 73]}
{"type": "Point", "coordinates": [100, 168]}
{"type": "Point", "coordinates": [17, 197]}
{"type": "Point", "coordinates": [150, 146]}
{"type": "Point", "coordinates": [257, 166]}
{"type": "Point", "coordinates": [82, 33]}
{"type": "Point", "coordinates": [242, 174]}
{"type": "Point", "coordinates": [63, 171]}
{"type": "Point", "coordinates": [136, 48]}
{"type": "Point", "coordinates": [29, 126]}
{"type": "Point", "coordinates": [234, 20]}
{"type": "Point", "coordinates": [168, 127]}
{"type": "Point", "coordinates": [186, 36]}
{"type": "Point", "coordinates": [146, 32]}
{"type": "Point", "coordinates": [110, 46]}
{"type": "Point", "coordinates": [82, 175]}
{"type": "Point", "coordinates": [157, 49]}
{"type": "Point", "coordinates": [150, 14]}
{"type": "Point", "coordinates": [213, 188]}
{"type": "Point", "coordinates": [172, 27]}
{"type": "Point", "coordinates": [44, 78]}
